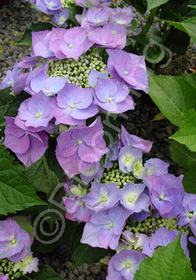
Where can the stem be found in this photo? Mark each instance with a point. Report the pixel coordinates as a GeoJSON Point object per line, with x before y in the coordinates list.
{"type": "Point", "coordinates": [147, 25]}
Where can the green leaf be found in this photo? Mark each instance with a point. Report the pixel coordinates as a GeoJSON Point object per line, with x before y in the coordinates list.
{"type": "Point", "coordinates": [174, 95]}
{"type": "Point", "coordinates": [83, 253]}
{"type": "Point", "coordinates": [26, 39]}
{"type": "Point", "coordinates": [16, 192]}
{"type": "Point", "coordinates": [188, 26]}
{"type": "Point", "coordinates": [189, 181]}
{"type": "Point", "coordinates": [46, 272]}
{"type": "Point", "coordinates": [187, 133]}
{"type": "Point", "coordinates": [192, 6]}
{"type": "Point", "coordinates": [43, 179]}
{"type": "Point", "coordinates": [168, 262]}
{"type": "Point", "coordinates": [151, 4]}
{"type": "Point", "coordinates": [182, 155]}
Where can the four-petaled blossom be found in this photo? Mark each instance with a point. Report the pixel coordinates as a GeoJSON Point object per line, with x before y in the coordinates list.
{"type": "Point", "coordinates": [104, 228]}
{"type": "Point", "coordinates": [48, 6]}
{"type": "Point", "coordinates": [74, 105]}
{"type": "Point", "coordinates": [112, 96]}
{"type": "Point", "coordinates": [81, 147]}
{"type": "Point", "coordinates": [36, 111]}
{"type": "Point", "coordinates": [166, 194]}
{"type": "Point", "coordinates": [128, 67]}
{"type": "Point", "coordinates": [188, 216]}
{"type": "Point", "coordinates": [28, 146]}
{"type": "Point", "coordinates": [102, 196]}
{"type": "Point", "coordinates": [123, 265]}
{"type": "Point", "coordinates": [13, 240]}
{"type": "Point", "coordinates": [128, 156]}
{"type": "Point", "coordinates": [61, 16]}
{"type": "Point", "coordinates": [134, 141]}
{"type": "Point", "coordinates": [95, 171]}
{"type": "Point", "coordinates": [40, 44]}
{"type": "Point", "coordinates": [133, 198]}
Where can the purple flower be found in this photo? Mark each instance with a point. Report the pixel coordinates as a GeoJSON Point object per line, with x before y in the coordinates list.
{"type": "Point", "coordinates": [49, 85]}
{"type": "Point", "coordinates": [128, 67]}
{"type": "Point", "coordinates": [104, 228]}
{"type": "Point", "coordinates": [133, 198]}
{"type": "Point", "coordinates": [28, 146]}
{"type": "Point", "coordinates": [166, 194]}
{"type": "Point", "coordinates": [70, 43]}
{"type": "Point", "coordinates": [108, 38]}
{"type": "Point", "coordinates": [48, 6]}
{"type": "Point", "coordinates": [81, 147]}
{"type": "Point", "coordinates": [121, 18]}
{"type": "Point", "coordinates": [162, 237]}
{"type": "Point", "coordinates": [94, 75]}
{"type": "Point", "coordinates": [156, 166]}
{"type": "Point", "coordinates": [123, 265]}
{"type": "Point", "coordinates": [112, 96]}
{"type": "Point", "coordinates": [102, 196]}
{"type": "Point", "coordinates": [4, 277]}
{"type": "Point", "coordinates": [188, 216]}
{"type": "Point", "coordinates": [61, 16]}
{"type": "Point", "coordinates": [15, 80]}
{"type": "Point", "coordinates": [12, 240]}
{"type": "Point", "coordinates": [95, 171]}
{"type": "Point", "coordinates": [40, 44]}
{"type": "Point", "coordinates": [134, 141]}
{"type": "Point", "coordinates": [28, 62]}
{"type": "Point", "coordinates": [36, 111]}
{"type": "Point", "coordinates": [112, 155]}
{"type": "Point", "coordinates": [74, 105]}
{"type": "Point", "coordinates": [97, 16]}
{"type": "Point", "coordinates": [76, 209]}
{"type": "Point", "coordinates": [84, 3]}
{"type": "Point", "coordinates": [128, 156]}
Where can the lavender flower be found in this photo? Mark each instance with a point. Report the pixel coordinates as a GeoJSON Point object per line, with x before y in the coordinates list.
{"type": "Point", "coordinates": [97, 16]}
{"type": "Point", "coordinates": [12, 240]}
{"type": "Point", "coordinates": [76, 209]}
{"type": "Point", "coordinates": [102, 196]}
{"type": "Point", "coordinates": [61, 16]}
{"type": "Point", "coordinates": [166, 194]}
{"type": "Point", "coordinates": [162, 237]}
{"type": "Point", "coordinates": [94, 75]}
{"type": "Point", "coordinates": [104, 228]}
{"type": "Point", "coordinates": [124, 265]}
{"type": "Point", "coordinates": [112, 96]}
{"type": "Point", "coordinates": [80, 148]}
{"type": "Point", "coordinates": [15, 80]}
{"type": "Point", "coordinates": [95, 171]}
{"type": "Point", "coordinates": [134, 141]}
{"type": "Point", "coordinates": [127, 157]}
{"type": "Point", "coordinates": [69, 43]}
{"type": "Point", "coordinates": [112, 155]}
{"type": "Point", "coordinates": [4, 277]}
{"type": "Point", "coordinates": [74, 105]}
{"type": "Point", "coordinates": [28, 146]}
{"type": "Point", "coordinates": [128, 67]}
{"type": "Point", "coordinates": [40, 44]}
{"type": "Point", "coordinates": [48, 6]}
{"type": "Point", "coordinates": [36, 111]}
{"type": "Point", "coordinates": [133, 198]}
{"type": "Point", "coordinates": [188, 216]}
{"type": "Point", "coordinates": [49, 85]}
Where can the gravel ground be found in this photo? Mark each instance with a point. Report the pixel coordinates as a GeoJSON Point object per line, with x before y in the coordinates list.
{"type": "Point", "coordinates": [14, 19]}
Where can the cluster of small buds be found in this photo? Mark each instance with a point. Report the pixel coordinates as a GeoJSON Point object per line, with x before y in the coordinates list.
{"type": "Point", "coordinates": [114, 175]}
{"type": "Point", "coordinates": [77, 71]}
{"type": "Point", "coordinates": [7, 268]}
{"type": "Point", "coordinates": [151, 225]}
{"type": "Point", "coordinates": [67, 3]}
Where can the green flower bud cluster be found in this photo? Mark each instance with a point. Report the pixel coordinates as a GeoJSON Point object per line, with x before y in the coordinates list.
{"type": "Point", "coordinates": [114, 175]}
{"type": "Point", "coordinates": [67, 3]}
{"type": "Point", "coordinates": [7, 268]}
{"type": "Point", "coordinates": [151, 225]}
{"type": "Point", "coordinates": [77, 71]}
